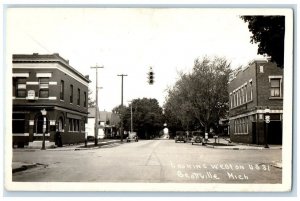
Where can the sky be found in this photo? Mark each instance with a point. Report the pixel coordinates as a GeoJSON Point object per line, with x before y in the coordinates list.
{"type": "Point", "coordinates": [129, 41]}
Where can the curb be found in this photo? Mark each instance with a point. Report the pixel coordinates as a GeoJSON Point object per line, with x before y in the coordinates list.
{"type": "Point", "coordinates": [233, 147]}
{"type": "Point", "coordinates": [81, 147]}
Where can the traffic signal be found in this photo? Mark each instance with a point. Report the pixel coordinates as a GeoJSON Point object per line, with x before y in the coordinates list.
{"type": "Point", "coordinates": [151, 76]}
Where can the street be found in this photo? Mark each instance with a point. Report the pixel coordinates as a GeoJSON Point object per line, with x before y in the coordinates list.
{"type": "Point", "coordinates": [160, 161]}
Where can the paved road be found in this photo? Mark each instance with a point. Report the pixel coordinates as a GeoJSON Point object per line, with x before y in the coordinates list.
{"type": "Point", "coordinates": [151, 161]}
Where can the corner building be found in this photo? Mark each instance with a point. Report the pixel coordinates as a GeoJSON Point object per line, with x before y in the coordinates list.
{"type": "Point", "coordinates": [252, 89]}
{"type": "Point", "coordinates": [47, 82]}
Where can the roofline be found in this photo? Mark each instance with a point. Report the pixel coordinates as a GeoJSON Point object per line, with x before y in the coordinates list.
{"type": "Point", "coordinates": [50, 58]}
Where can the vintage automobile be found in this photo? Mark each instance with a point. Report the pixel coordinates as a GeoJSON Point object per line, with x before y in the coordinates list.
{"type": "Point", "coordinates": [197, 137]}
{"type": "Point", "coordinates": [180, 136]}
{"type": "Point", "coordinates": [132, 136]}
{"type": "Point", "coordinates": [90, 138]}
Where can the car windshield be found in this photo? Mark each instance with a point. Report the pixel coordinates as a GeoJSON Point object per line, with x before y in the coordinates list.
{"type": "Point", "coordinates": [196, 134]}
{"type": "Point", "coordinates": [180, 133]}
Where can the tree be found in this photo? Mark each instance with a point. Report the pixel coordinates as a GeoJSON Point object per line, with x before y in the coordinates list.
{"type": "Point", "coordinates": [91, 101]}
{"type": "Point", "coordinates": [200, 98]}
{"type": "Point", "coordinates": [147, 117]}
{"type": "Point", "coordinates": [268, 32]}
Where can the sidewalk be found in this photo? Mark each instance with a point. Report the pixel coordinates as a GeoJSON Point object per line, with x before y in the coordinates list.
{"type": "Point", "coordinates": [74, 147]}
{"type": "Point", "coordinates": [225, 143]}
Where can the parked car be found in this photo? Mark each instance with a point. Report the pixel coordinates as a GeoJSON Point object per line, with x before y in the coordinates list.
{"type": "Point", "coordinates": [189, 135]}
{"type": "Point", "coordinates": [132, 137]}
{"type": "Point", "coordinates": [180, 136]}
{"type": "Point", "coordinates": [197, 137]}
{"type": "Point", "coordinates": [90, 138]}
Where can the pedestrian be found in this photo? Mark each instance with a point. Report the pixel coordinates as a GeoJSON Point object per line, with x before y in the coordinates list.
{"type": "Point", "coordinates": [58, 138]}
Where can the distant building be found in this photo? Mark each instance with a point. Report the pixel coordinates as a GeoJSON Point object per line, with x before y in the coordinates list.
{"type": "Point", "coordinates": [107, 124]}
{"type": "Point", "coordinates": [252, 89]}
{"type": "Point", "coordinates": [47, 82]}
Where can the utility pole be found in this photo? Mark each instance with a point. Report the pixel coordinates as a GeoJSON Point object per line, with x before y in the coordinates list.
{"type": "Point", "coordinates": [96, 109]}
{"type": "Point", "coordinates": [122, 75]}
{"type": "Point", "coordinates": [131, 117]}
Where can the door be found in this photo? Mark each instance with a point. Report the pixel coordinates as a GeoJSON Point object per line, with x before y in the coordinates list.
{"type": "Point", "coordinates": [254, 139]}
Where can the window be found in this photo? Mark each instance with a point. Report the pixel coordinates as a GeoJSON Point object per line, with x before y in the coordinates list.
{"type": "Point", "coordinates": [234, 104]}
{"type": "Point", "coordinates": [241, 125]}
{"type": "Point", "coordinates": [44, 87]}
{"type": "Point", "coordinates": [71, 92]}
{"type": "Point", "coordinates": [243, 95]}
{"type": "Point", "coordinates": [275, 87]}
{"type": "Point", "coordinates": [237, 98]}
{"type": "Point", "coordinates": [62, 89]}
{"type": "Point", "coordinates": [60, 124]}
{"type": "Point", "coordinates": [71, 128]}
{"type": "Point", "coordinates": [261, 69]}
{"type": "Point", "coordinates": [84, 102]}
{"type": "Point", "coordinates": [78, 97]}
{"type": "Point", "coordinates": [21, 87]}
{"type": "Point", "coordinates": [18, 123]}
{"type": "Point", "coordinates": [73, 125]}
{"type": "Point", "coordinates": [246, 98]}
{"type": "Point", "coordinates": [251, 90]}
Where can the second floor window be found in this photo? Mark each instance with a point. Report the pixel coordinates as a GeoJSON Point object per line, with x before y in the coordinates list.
{"type": "Point", "coordinates": [21, 87]}
{"type": "Point", "coordinates": [275, 88]}
{"type": "Point", "coordinates": [78, 97]}
{"type": "Point", "coordinates": [71, 93]}
{"type": "Point", "coordinates": [44, 87]}
{"type": "Point", "coordinates": [251, 91]}
{"type": "Point", "coordinates": [62, 89]}
{"type": "Point", "coordinates": [84, 103]}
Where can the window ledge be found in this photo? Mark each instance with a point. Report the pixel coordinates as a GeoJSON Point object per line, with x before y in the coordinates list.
{"type": "Point", "coordinates": [275, 98]}
{"type": "Point", "coordinates": [241, 133]}
{"type": "Point", "coordinates": [242, 104]}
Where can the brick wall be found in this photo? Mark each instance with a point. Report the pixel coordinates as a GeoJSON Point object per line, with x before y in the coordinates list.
{"type": "Point", "coordinates": [264, 85]}
{"type": "Point", "coordinates": [258, 72]}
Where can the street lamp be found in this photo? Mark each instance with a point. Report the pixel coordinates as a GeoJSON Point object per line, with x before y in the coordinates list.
{"type": "Point", "coordinates": [267, 119]}
{"type": "Point", "coordinates": [44, 113]}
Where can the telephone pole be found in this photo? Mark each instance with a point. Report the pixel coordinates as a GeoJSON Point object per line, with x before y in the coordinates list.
{"type": "Point", "coordinates": [122, 75]}
{"type": "Point", "coordinates": [96, 109]}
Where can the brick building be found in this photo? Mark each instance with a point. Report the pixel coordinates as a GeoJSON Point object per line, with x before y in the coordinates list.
{"type": "Point", "coordinates": [47, 82]}
{"type": "Point", "coordinates": [252, 89]}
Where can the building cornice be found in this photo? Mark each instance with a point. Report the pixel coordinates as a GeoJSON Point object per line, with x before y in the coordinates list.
{"type": "Point", "coordinates": [53, 58]}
